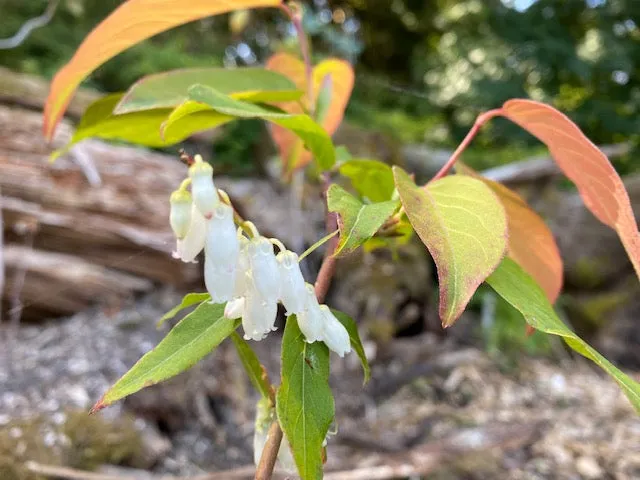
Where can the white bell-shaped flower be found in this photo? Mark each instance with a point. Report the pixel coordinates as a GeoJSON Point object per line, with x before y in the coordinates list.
{"type": "Point", "coordinates": [293, 291]}
{"type": "Point", "coordinates": [243, 266]}
{"type": "Point", "coordinates": [234, 308]}
{"type": "Point", "coordinates": [311, 319]}
{"type": "Point", "coordinates": [259, 316]}
{"type": "Point", "coordinates": [335, 336]}
{"type": "Point", "coordinates": [264, 269]}
{"type": "Point", "coordinates": [222, 246]}
{"type": "Point", "coordinates": [188, 248]}
{"type": "Point", "coordinates": [180, 212]}
{"type": "Point", "coordinates": [219, 279]}
{"type": "Point", "coordinates": [203, 190]}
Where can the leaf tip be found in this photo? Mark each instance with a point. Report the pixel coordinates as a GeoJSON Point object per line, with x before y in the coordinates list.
{"type": "Point", "coordinates": [100, 404]}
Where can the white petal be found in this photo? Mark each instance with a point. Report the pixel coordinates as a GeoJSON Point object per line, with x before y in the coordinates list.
{"type": "Point", "coordinates": [311, 319]}
{"type": "Point", "coordinates": [335, 336]}
{"type": "Point", "coordinates": [243, 279]}
{"type": "Point", "coordinates": [192, 244]}
{"type": "Point", "coordinates": [293, 291]}
{"type": "Point", "coordinates": [219, 280]}
{"type": "Point", "coordinates": [222, 245]}
{"type": "Point", "coordinates": [259, 316]}
{"type": "Point", "coordinates": [205, 195]}
{"type": "Point", "coordinates": [234, 308]}
{"type": "Point", "coordinates": [264, 269]}
{"type": "Point", "coordinates": [180, 212]}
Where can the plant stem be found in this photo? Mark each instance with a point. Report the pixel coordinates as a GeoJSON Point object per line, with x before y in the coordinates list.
{"type": "Point", "coordinates": [323, 281]}
{"type": "Point", "coordinates": [480, 121]}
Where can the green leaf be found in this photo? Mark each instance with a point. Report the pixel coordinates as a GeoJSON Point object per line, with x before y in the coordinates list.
{"type": "Point", "coordinates": [142, 128]}
{"type": "Point", "coordinates": [356, 343]}
{"type": "Point", "coordinates": [358, 221]}
{"type": "Point", "coordinates": [256, 372]}
{"type": "Point", "coordinates": [188, 300]}
{"type": "Point", "coordinates": [194, 337]}
{"type": "Point", "coordinates": [463, 224]}
{"type": "Point", "coordinates": [371, 178]}
{"type": "Point", "coordinates": [168, 89]}
{"type": "Point", "coordinates": [316, 139]}
{"type": "Point", "coordinates": [513, 284]}
{"type": "Point", "coordinates": [304, 401]}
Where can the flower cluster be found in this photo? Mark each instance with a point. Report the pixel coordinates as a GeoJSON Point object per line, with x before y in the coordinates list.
{"type": "Point", "coordinates": [245, 273]}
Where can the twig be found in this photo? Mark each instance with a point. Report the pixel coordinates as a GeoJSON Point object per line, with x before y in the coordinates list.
{"type": "Point", "coordinates": [30, 25]}
{"type": "Point", "coordinates": [270, 453]}
{"type": "Point", "coordinates": [2, 277]}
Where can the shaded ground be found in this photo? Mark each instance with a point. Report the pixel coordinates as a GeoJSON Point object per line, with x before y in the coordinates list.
{"type": "Point", "coordinates": [432, 406]}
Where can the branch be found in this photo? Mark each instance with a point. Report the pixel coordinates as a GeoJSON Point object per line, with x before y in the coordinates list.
{"type": "Point", "coordinates": [30, 25]}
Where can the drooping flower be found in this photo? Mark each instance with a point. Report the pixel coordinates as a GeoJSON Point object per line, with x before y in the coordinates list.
{"type": "Point", "coordinates": [205, 195]}
{"type": "Point", "coordinates": [334, 334]}
{"type": "Point", "coordinates": [180, 212]}
{"type": "Point", "coordinates": [243, 266]}
{"type": "Point", "coordinates": [311, 318]}
{"type": "Point", "coordinates": [219, 280]}
{"type": "Point", "coordinates": [293, 292]}
{"type": "Point", "coordinates": [188, 248]}
{"type": "Point", "coordinates": [264, 269]}
{"type": "Point", "coordinates": [259, 316]}
{"type": "Point", "coordinates": [222, 249]}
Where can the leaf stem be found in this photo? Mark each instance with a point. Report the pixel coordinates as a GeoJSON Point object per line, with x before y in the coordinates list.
{"type": "Point", "coordinates": [270, 452]}
{"type": "Point", "coordinates": [480, 121]}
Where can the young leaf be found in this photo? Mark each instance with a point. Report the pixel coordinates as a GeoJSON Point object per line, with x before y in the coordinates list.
{"type": "Point", "coordinates": [142, 128]}
{"type": "Point", "coordinates": [256, 372]}
{"type": "Point", "coordinates": [463, 224]}
{"type": "Point", "coordinates": [372, 179]}
{"type": "Point", "coordinates": [585, 165]}
{"type": "Point", "coordinates": [187, 301]}
{"type": "Point", "coordinates": [169, 89]}
{"type": "Point", "coordinates": [304, 402]}
{"type": "Point", "coordinates": [195, 336]}
{"type": "Point", "coordinates": [531, 243]}
{"type": "Point", "coordinates": [358, 222]}
{"type": "Point", "coordinates": [341, 77]}
{"type": "Point", "coordinates": [356, 343]}
{"type": "Point", "coordinates": [129, 24]}
{"type": "Point", "coordinates": [512, 283]}
{"type": "Point", "coordinates": [303, 126]}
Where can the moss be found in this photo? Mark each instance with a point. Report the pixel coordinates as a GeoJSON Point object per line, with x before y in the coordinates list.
{"type": "Point", "coordinates": [81, 441]}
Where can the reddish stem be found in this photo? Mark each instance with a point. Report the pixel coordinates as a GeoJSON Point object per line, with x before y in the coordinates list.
{"type": "Point", "coordinates": [480, 121]}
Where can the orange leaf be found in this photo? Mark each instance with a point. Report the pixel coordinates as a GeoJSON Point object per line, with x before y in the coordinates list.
{"type": "Point", "coordinates": [584, 164]}
{"type": "Point", "coordinates": [129, 24]}
{"type": "Point", "coordinates": [531, 243]}
{"type": "Point", "coordinates": [342, 79]}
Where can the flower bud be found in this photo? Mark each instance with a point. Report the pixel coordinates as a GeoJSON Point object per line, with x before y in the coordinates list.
{"type": "Point", "coordinates": [180, 213]}
{"type": "Point", "coordinates": [259, 316]}
{"type": "Point", "coordinates": [222, 246]}
{"type": "Point", "coordinates": [264, 269]}
{"type": "Point", "coordinates": [293, 291]}
{"type": "Point", "coordinates": [188, 248]}
{"type": "Point", "coordinates": [219, 279]}
{"type": "Point", "coordinates": [234, 308]}
{"type": "Point", "coordinates": [204, 192]}
{"type": "Point", "coordinates": [335, 336]}
{"type": "Point", "coordinates": [311, 319]}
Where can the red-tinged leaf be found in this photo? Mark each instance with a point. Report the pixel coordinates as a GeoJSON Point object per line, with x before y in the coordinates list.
{"type": "Point", "coordinates": [464, 226]}
{"type": "Point", "coordinates": [584, 164]}
{"type": "Point", "coordinates": [531, 243]}
{"type": "Point", "coordinates": [129, 24]}
{"type": "Point", "coordinates": [341, 81]}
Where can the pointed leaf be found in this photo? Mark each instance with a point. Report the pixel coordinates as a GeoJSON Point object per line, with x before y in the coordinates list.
{"type": "Point", "coordinates": [341, 77]}
{"type": "Point", "coordinates": [129, 24]}
{"type": "Point", "coordinates": [531, 243]}
{"type": "Point", "coordinates": [194, 337]}
{"type": "Point", "coordinates": [142, 128]}
{"type": "Point", "coordinates": [358, 222]}
{"type": "Point", "coordinates": [513, 284]}
{"type": "Point", "coordinates": [169, 89]}
{"type": "Point", "coordinates": [356, 343]}
{"type": "Point", "coordinates": [304, 402]}
{"type": "Point", "coordinates": [372, 179]}
{"type": "Point", "coordinates": [463, 224]}
{"type": "Point", "coordinates": [256, 372]}
{"type": "Point", "coordinates": [188, 300]}
{"type": "Point", "coordinates": [303, 126]}
{"type": "Point", "coordinates": [585, 165]}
